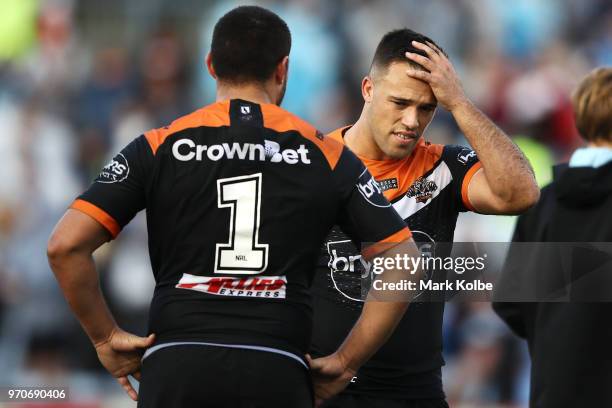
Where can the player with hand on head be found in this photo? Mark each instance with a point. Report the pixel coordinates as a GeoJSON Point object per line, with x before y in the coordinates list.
{"type": "Point", "coordinates": [239, 195]}
{"type": "Point", "coordinates": [428, 185]}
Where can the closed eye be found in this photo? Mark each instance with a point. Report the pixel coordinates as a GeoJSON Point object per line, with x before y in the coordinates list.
{"type": "Point", "coordinates": [428, 108]}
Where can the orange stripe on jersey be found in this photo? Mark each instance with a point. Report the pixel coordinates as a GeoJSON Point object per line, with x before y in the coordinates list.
{"type": "Point", "coordinates": [97, 214]}
{"type": "Point", "coordinates": [466, 183]}
{"type": "Point", "coordinates": [424, 156]}
{"type": "Point", "coordinates": [387, 243]}
{"type": "Point", "coordinates": [280, 120]}
{"type": "Point", "coordinates": [338, 134]}
{"type": "Point", "coordinates": [214, 115]}
{"type": "Point", "coordinates": [406, 171]}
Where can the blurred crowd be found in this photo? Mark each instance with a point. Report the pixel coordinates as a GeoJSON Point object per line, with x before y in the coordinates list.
{"type": "Point", "coordinates": [79, 80]}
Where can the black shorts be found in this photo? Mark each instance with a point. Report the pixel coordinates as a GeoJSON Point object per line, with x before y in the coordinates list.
{"type": "Point", "coordinates": [367, 401]}
{"type": "Point", "coordinates": [196, 376]}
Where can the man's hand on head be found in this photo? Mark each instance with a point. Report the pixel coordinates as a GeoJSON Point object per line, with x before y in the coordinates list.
{"type": "Point", "coordinates": [440, 75]}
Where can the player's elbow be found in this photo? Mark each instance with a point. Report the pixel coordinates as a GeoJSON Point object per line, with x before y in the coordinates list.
{"type": "Point", "coordinates": [533, 196]}
{"type": "Point", "coordinates": [523, 199]}
{"type": "Point", "coordinates": [59, 248]}
{"type": "Point", "coordinates": [528, 197]}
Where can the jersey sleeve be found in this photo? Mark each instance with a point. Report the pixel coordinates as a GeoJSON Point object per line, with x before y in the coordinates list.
{"type": "Point", "coordinates": [463, 164]}
{"type": "Point", "coordinates": [365, 215]}
{"type": "Point", "coordinates": [118, 193]}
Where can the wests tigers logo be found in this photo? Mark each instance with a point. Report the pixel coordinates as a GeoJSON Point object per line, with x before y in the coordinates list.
{"type": "Point", "coordinates": [422, 190]}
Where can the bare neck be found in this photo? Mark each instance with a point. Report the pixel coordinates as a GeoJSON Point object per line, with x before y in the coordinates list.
{"type": "Point", "coordinates": [360, 139]}
{"type": "Point", "coordinates": [248, 92]}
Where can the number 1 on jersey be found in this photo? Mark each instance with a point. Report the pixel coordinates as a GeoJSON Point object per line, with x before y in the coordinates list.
{"type": "Point", "coordinates": [243, 254]}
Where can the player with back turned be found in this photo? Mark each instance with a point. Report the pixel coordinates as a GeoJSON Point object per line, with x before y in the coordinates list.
{"type": "Point", "coordinates": [428, 185]}
{"type": "Point", "coordinates": [239, 196]}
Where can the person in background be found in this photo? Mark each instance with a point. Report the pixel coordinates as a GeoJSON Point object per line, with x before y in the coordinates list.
{"type": "Point", "coordinates": [568, 327]}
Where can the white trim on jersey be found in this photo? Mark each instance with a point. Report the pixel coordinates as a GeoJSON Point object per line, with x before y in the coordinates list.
{"type": "Point", "coordinates": [407, 206]}
{"type": "Point", "coordinates": [235, 346]}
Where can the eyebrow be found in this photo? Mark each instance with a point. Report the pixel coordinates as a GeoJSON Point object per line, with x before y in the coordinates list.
{"type": "Point", "coordinates": [412, 101]}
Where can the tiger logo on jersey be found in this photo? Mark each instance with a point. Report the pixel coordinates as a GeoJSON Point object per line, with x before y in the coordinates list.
{"type": "Point", "coordinates": [422, 190]}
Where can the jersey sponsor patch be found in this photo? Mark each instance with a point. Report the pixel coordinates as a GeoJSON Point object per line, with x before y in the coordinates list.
{"type": "Point", "coordinates": [187, 150]}
{"type": "Point", "coordinates": [115, 171]}
{"type": "Point", "coordinates": [352, 276]}
{"type": "Point", "coordinates": [388, 184]}
{"type": "Point", "coordinates": [260, 287]}
{"type": "Point", "coordinates": [349, 272]}
{"type": "Point", "coordinates": [466, 155]}
{"type": "Point", "coordinates": [370, 190]}
{"type": "Point", "coordinates": [273, 151]}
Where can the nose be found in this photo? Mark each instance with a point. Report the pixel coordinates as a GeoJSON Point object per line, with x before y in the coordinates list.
{"type": "Point", "coordinates": [410, 118]}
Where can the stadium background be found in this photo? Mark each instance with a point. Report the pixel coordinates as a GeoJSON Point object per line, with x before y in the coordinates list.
{"type": "Point", "coordinates": [79, 79]}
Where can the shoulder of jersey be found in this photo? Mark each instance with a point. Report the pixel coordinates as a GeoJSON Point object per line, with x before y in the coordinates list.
{"type": "Point", "coordinates": [280, 120]}
{"type": "Point", "coordinates": [424, 151]}
{"type": "Point", "coordinates": [214, 115]}
{"type": "Point", "coordinates": [428, 152]}
{"type": "Point", "coordinates": [274, 118]}
{"type": "Point", "coordinates": [336, 135]}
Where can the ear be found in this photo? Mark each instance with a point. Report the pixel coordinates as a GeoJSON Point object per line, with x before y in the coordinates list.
{"type": "Point", "coordinates": [282, 69]}
{"type": "Point", "coordinates": [367, 88]}
{"type": "Point", "coordinates": [209, 65]}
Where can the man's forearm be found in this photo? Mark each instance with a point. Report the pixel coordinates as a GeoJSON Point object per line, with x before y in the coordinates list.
{"type": "Point", "coordinates": [374, 327]}
{"type": "Point", "coordinates": [382, 311]}
{"type": "Point", "coordinates": [507, 172]}
{"type": "Point", "coordinates": [78, 279]}
{"type": "Point", "coordinates": [506, 168]}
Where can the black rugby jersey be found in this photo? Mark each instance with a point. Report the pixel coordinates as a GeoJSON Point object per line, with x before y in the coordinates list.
{"type": "Point", "coordinates": [428, 189]}
{"type": "Point", "coordinates": [239, 197]}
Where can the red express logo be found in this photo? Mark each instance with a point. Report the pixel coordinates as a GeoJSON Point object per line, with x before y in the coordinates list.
{"type": "Point", "coordinates": [262, 287]}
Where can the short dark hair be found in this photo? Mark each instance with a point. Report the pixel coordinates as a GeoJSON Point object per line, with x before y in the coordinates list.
{"type": "Point", "coordinates": [248, 43]}
{"type": "Point", "coordinates": [394, 46]}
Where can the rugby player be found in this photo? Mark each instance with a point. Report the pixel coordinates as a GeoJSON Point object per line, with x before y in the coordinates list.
{"type": "Point", "coordinates": [239, 196]}
{"type": "Point", "coordinates": [428, 185]}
